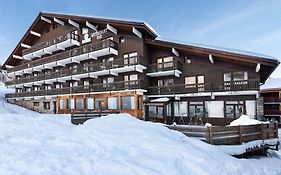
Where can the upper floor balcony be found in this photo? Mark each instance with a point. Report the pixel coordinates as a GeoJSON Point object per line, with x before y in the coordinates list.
{"type": "Point", "coordinates": [114, 67]}
{"type": "Point", "coordinates": [271, 100]}
{"type": "Point", "coordinates": [115, 86]}
{"type": "Point", "coordinates": [173, 68]}
{"type": "Point", "coordinates": [251, 84]}
{"type": "Point", "coordinates": [88, 51]}
{"type": "Point", "coordinates": [59, 43]}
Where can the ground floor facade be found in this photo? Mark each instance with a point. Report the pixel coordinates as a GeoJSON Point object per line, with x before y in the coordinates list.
{"type": "Point", "coordinates": [191, 110]}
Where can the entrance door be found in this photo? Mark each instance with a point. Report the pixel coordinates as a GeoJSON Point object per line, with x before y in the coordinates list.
{"type": "Point", "coordinates": [156, 113]}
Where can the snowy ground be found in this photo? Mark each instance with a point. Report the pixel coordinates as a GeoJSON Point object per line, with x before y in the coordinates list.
{"type": "Point", "coordinates": [31, 143]}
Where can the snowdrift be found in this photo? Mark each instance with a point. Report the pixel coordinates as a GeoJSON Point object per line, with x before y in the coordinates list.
{"type": "Point", "coordinates": [32, 143]}
{"type": "Point", "coordinates": [245, 120]}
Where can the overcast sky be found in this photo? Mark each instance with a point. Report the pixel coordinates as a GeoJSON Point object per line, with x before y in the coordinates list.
{"type": "Point", "coordinates": [249, 25]}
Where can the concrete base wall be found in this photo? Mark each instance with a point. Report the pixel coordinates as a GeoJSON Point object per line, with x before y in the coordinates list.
{"type": "Point", "coordinates": [31, 104]}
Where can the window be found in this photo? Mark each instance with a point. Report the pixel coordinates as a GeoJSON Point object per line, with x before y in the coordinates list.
{"type": "Point", "coordinates": [46, 105]}
{"type": "Point", "coordinates": [58, 86]}
{"type": "Point", "coordinates": [79, 103]}
{"type": "Point", "coordinates": [36, 88]}
{"type": "Point", "coordinates": [73, 84]}
{"type": "Point", "coordinates": [86, 83]}
{"type": "Point", "coordinates": [166, 82]}
{"type": "Point", "coordinates": [215, 109]}
{"type": "Point", "coordinates": [234, 109]}
{"type": "Point", "coordinates": [128, 103]}
{"type": "Point", "coordinates": [62, 103]}
{"type": "Point", "coordinates": [108, 80]}
{"type": "Point", "coordinates": [46, 87]}
{"type": "Point", "coordinates": [180, 108]}
{"type": "Point", "coordinates": [121, 39]}
{"type": "Point", "coordinates": [35, 103]}
{"type": "Point", "coordinates": [139, 102]}
{"type": "Point", "coordinates": [35, 74]}
{"type": "Point", "coordinates": [130, 58]}
{"type": "Point", "coordinates": [235, 76]}
{"type": "Point", "coordinates": [113, 103]}
{"type": "Point", "coordinates": [195, 82]}
{"type": "Point", "coordinates": [100, 104]}
{"type": "Point", "coordinates": [70, 103]}
{"type": "Point", "coordinates": [165, 62]}
{"type": "Point", "coordinates": [131, 77]}
{"type": "Point", "coordinates": [90, 103]}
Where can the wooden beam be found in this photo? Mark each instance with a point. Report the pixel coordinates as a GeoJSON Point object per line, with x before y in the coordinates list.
{"type": "Point", "coordinates": [35, 33]}
{"type": "Point", "coordinates": [211, 59]}
{"type": "Point", "coordinates": [258, 67]}
{"type": "Point", "coordinates": [25, 45]}
{"type": "Point", "coordinates": [175, 52]}
{"type": "Point", "coordinates": [136, 32]}
{"type": "Point", "coordinates": [110, 28]}
{"type": "Point", "coordinates": [75, 24]}
{"type": "Point", "coordinates": [88, 24]}
{"type": "Point", "coordinates": [18, 57]}
{"type": "Point", "coordinates": [46, 19]}
{"type": "Point", "coordinates": [58, 21]}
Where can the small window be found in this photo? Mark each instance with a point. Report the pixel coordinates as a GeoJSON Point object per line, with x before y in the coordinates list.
{"type": "Point", "coordinates": [47, 105]}
{"type": "Point", "coordinates": [190, 80]}
{"type": "Point", "coordinates": [35, 103]}
{"type": "Point", "coordinates": [121, 40]}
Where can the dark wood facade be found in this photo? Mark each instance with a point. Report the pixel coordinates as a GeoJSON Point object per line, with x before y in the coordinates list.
{"type": "Point", "coordinates": [121, 65]}
{"type": "Point", "coordinates": [272, 104]}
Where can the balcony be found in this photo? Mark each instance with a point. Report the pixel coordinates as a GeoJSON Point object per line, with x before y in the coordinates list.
{"type": "Point", "coordinates": [173, 68]}
{"type": "Point", "coordinates": [271, 100]}
{"type": "Point", "coordinates": [272, 112]}
{"type": "Point", "coordinates": [93, 70]}
{"type": "Point", "coordinates": [58, 43]}
{"type": "Point", "coordinates": [205, 87]}
{"type": "Point", "coordinates": [115, 86]}
{"type": "Point", "coordinates": [88, 51]}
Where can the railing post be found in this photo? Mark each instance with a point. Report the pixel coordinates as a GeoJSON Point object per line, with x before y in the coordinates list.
{"type": "Point", "coordinates": [210, 135]}
{"type": "Point", "coordinates": [240, 134]}
{"type": "Point", "coordinates": [261, 130]}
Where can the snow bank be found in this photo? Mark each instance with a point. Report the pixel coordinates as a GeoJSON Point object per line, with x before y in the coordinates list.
{"type": "Point", "coordinates": [32, 143]}
{"type": "Point", "coordinates": [245, 120]}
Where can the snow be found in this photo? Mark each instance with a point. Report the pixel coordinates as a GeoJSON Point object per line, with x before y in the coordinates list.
{"type": "Point", "coordinates": [240, 149]}
{"type": "Point", "coordinates": [245, 120]}
{"type": "Point", "coordinates": [33, 143]}
{"type": "Point", "coordinates": [271, 84]}
{"type": "Point", "coordinates": [164, 99]}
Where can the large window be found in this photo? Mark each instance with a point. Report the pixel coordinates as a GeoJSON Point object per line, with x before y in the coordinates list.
{"type": "Point", "coordinates": [165, 62]}
{"type": "Point", "coordinates": [79, 103]}
{"type": "Point", "coordinates": [215, 109]}
{"type": "Point", "coordinates": [130, 58]}
{"type": "Point", "coordinates": [180, 108]}
{"type": "Point", "coordinates": [251, 108]}
{"type": "Point", "coordinates": [70, 103]}
{"type": "Point", "coordinates": [100, 103]}
{"type": "Point", "coordinates": [195, 82]}
{"type": "Point", "coordinates": [113, 103]}
{"type": "Point", "coordinates": [62, 103]}
{"type": "Point", "coordinates": [236, 76]}
{"type": "Point", "coordinates": [90, 103]}
{"type": "Point", "coordinates": [128, 103]}
{"type": "Point", "coordinates": [166, 82]}
{"type": "Point", "coordinates": [234, 109]}
{"type": "Point", "coordinates": [131, 78]}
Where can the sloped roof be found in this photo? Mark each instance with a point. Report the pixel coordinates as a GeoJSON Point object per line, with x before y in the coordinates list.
{"type": "Point", "coordinates": [272, 84]}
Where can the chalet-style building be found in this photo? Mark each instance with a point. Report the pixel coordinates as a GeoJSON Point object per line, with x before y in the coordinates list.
{"type": "Point", "coordinates": [66, 63]}
{"type": "Point", "coordinates": [271, 93]}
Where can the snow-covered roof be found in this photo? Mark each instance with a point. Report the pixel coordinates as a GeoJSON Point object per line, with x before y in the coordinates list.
{"type": "Point", "coordinates": [271, 84]}
{"type": "Point", "coordinates": [148, 26]}
{"type": "Point", "coordinates": [218, 48]}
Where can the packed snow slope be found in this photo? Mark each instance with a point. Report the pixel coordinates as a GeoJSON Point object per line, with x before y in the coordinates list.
{"type": "Point", "coordinates": [32, 143]}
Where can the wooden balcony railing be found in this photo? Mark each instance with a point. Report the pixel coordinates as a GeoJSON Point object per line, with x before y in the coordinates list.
{"type": "Point", "coordinates": [272, 99]}
{"type": "Point", "coordinates": [166, 66]}
{"type": "Point", "coordinates": [272, 112]}
{"type": "Point", "coordinates": [60, 56]}
{"type": "Point", "coordinates": [115, 86]}
{"type": "Point", "coordinates": [205, 87]}
{"type": "Point", "coordinates": [117, 63]}
{"type": "Point", "coordinates": [68, 35]}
